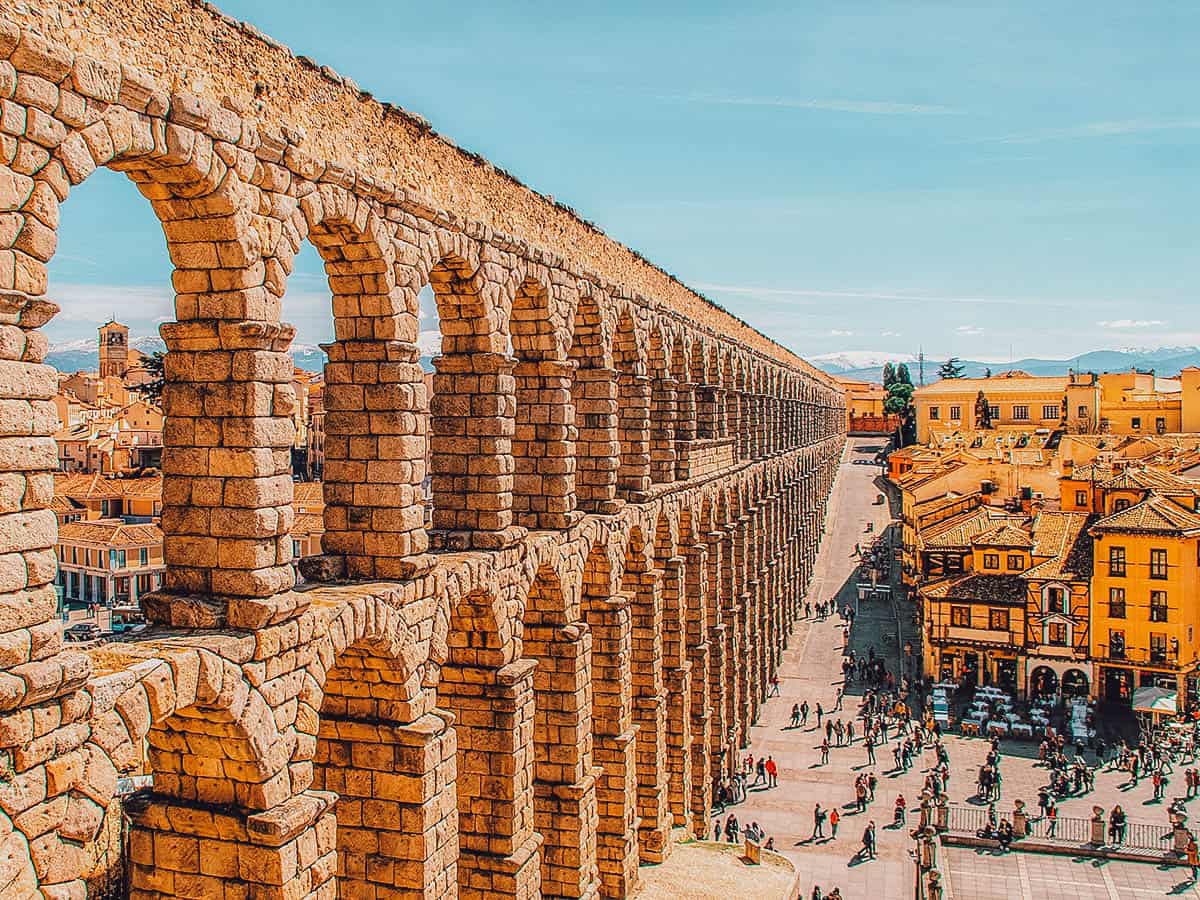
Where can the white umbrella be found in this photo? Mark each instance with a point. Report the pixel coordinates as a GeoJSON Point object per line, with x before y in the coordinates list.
{"type": "Point", "coordinates": [1155, 700]}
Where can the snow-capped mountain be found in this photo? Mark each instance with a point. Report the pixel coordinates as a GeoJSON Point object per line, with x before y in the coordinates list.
{"type": "Point", "coordinates": [851, 360]}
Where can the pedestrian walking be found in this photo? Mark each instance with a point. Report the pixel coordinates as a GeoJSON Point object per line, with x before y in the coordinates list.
{"type": "Point", "coordinates": [820, 712]}
{"type": "Point", "coordinates": [774, 688]}
{"type": "Point", "coordinates": [838, 703]}
{"type": "Point", "coordinates": [818, 822]}
{"type": "Point", "coordinates": [795, 715]}
{"type": "Point", "coordinates": [1193, 856]}
{"type": "Point", "coordinates": [834, 818]}
{"type": "Point", "coordinates": [1051, 820]}
{"type": "Point", "coordinates": [868, 840]}
{"type": "Point", "coordinates": [825, 752]}
{"type": "Point", "coordinates": [772, 772]}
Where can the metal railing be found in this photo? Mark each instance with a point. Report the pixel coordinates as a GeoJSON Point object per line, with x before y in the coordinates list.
{"type": "Point", "coordinates": [966, 819]}
{"type": "Point", "coordinates": [1068, 829]}
{"type": "Point", "coordinates": [1147, 836]}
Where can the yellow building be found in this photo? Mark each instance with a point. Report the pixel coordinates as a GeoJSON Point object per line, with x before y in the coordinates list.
{"type": "Point", "coordinates": [1146, 595]}
{"type": "Point", "coordinates": [1121, 403]}
{"type": "Point", "coordinates": [1014, 399]}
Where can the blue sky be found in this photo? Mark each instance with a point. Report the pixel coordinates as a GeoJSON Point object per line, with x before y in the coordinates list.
{"type": "Point", "coordinates": [968, 178]}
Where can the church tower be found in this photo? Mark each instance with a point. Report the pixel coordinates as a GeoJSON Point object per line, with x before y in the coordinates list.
{"type": "Point", "coordinates": [114, 349]}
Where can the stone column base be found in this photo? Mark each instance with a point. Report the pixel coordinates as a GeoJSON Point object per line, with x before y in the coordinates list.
{"type": "Point", "coordinates": [482, 876]}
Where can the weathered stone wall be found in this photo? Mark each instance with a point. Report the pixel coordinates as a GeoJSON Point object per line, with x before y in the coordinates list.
{"type": "Point", "coordinates": [628, 485]}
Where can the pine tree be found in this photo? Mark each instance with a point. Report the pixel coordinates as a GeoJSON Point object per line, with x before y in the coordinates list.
{"type": "Point", "coordinates": [889, 374]}
{"type": "Point", "coordinates": [951, 368]}
{"type": "Point", "coordinates": [902, 375]}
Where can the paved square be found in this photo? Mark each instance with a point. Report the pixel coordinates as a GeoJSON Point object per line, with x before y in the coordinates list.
{"type": "Point", "coordinates": [811, 671]}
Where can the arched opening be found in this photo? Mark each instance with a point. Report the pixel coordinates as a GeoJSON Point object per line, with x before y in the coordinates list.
{"type": "Point", "coordinates": [544, 434]}
{"type": "Point", "coordinates": [472, 411]}
{"type": "Point", "coordinates": [633, 404]}
{"type": "Point", "coordinates": [594, 397]}
{"type": "Point", "coordinates": [663, 411]}
{"type": "Point", "coordinates": [1075, 683]}
{"type": "Point", "coordinates": [490, 693]}
{"type": "Point", "coordinates": [685, 407]}
{"type": "Point", "coordinates": [608, 616]}
{"type": "Point", "coordinates": [699, 655]}
{"type": "Point", "coordinates": [564, 788]}
{"type": "Point", "coordinates": [1043, 682]}
{"type": "Point", "coordinates": [677, 671]}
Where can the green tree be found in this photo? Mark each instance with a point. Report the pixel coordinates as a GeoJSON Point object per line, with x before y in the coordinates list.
{"type": "Point", "coordinates": [902, 374]}
{"type": "Point", "coordinates": [152, 389]}
{"type": "Point", "coordinates": [889, 374]}
{"type": "Point", "coordinates": [951, 368]}
{"type": "Point", "coordinates": [899, 398]}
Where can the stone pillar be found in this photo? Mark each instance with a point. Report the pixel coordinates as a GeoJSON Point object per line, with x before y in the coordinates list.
{"type": "Point", "coordinates": [615, 744]}
{"type": "Point", "coordinates": [633, 404]}
{"type": "Point", "coordinates": [227, 485]}
{"type": "Point", "coordinates": [677, 680]}
{"type": "Point", "coordinates": [698, 650]}
{"type": "Point", "coordinates": [544, 446]}
{"type": "Point", "coordinates": [733, 420]}
{"type": "Point", "coordinates": [375, 458]}
{"type": "Point", "coordinates": [284, 853]}
{"type": "Point", "coordinates": [565, 809]}
{"type": "Point", "coordinates": [494, 715]}
{"type": "Point", "coordinates": [719, 662]}
{"type": "Point", "coordinates": [662, 431]}
{"type": "Point", "coordinates": [649, 714]}
{"type": "Point", "coordinates": [397, 812]}
{"type": "Point", "coordinates": [685, 425]}
{"type": "Point", "coordinates": [597, 448]}
{"type": "Point", "coordinates": [472, 412]}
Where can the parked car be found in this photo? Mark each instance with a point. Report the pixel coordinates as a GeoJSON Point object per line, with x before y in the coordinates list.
{"type": "Point", "coordinates": [84, 631]}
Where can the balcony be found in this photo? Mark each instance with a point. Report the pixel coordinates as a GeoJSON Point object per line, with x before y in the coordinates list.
{"type": "Point", "coordinates": [957, 633]}
{"type": "Point", "coordinates": [1141, 656]}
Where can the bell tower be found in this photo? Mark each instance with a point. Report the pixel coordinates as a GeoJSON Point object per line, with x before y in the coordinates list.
{"type": "Point", "coordinates": [114, 349]}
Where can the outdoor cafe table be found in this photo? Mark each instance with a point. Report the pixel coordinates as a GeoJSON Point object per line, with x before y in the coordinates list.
{"type": "Point", "coordinates": [998, 727]}
{"type": "Point", "coordinates": [1022, 729]}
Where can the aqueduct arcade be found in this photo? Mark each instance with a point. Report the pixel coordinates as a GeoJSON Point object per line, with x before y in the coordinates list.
{"type": "Point", "coordinates": [518, 698]}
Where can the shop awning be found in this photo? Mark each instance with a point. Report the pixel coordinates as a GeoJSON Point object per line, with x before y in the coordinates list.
{"type": "Point", "coordinates": [1155, 700]}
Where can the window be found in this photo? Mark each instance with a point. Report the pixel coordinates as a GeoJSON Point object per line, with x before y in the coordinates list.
{"type": "Point", "coordinates": [120, 559]}
{"type": "Point", "coordinates": [75, 554]}
{"type": "Point", "coordinates": [143, 584]}
{"type": "Point", "coordinates": [935, 412]}
{"type": "Point", "coordinates": [1016, 562]}
{"type": "Point", "coordinates": [1081, 498]}
{"type": "Point", "coordinates": [1135, 422]}
{"type": "Point", "coordinates": [144, 556]}
{"type": "Point", "coordinates": [1158, 564]}
{"type": "Point", "coordinates": [1160, 424]}
{"type": "Point", "coordinates": [1056, 600]}
{"type": "Point", "coordinates": [993, 412]}
{"type": "Point", "coordinates": [998, 619]}
{"type": "Point", "coordinates": [991, 560]}
{"type": "Point", "coordinates": [1158, 606]}
{"type": "Point", "coordinates": [1021, 413]}
{"type": "Point", "coordinates": [1158, 647]}
{"type": "Point", "coordinates": [1116, 644]}
{"type": "Point", "coordinates": [1120, 503]}
{"type": "Point", "coordinates": [956, 412]}
{"type": "Point", "coordinates": [1082, 412]}
{"type": "Point", "coordinates": [1116, 603]}
{"type": "Point", "coordinates": [295, 550]}
{"type": "Point", "coordinates": [960, 616]}
{"type": "Point", "coordinates": [1050, 411]}
{"type": "Point", "coordinates": [1116, 562]}
{"type": "Point", "coordinates": [1056, 634]}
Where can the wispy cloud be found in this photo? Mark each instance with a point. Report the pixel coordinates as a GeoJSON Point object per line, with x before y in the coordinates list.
{"type": "Point", "coordinates": [968, 330]}
{"type": "Point", "coordinates": [840, 332]}
{"type": "Point", "coordinates": [889, 334]}
{"type": "Point", "coordinates": [1130, 323]}
{"type": "Point", "coordinates": [1112, 128]}
{"type": "Point", "coordinates": [861, 107]}
{"type": "Point", "coordinates": [815, 295]}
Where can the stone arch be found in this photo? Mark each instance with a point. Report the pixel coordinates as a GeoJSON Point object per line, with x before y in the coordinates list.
{"type": "Point", "coordinates": [472, 409]}
{"type": "Point", "coordinates": [544, 446]}
{"type": "Point", "coordinates": [663, 405]}
{"type": "Point", "coordinates": [633, 404]}
{"type": "Point", "coordinates": [594, 397]}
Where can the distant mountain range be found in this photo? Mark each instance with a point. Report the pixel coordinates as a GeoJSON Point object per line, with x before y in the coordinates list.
{"type": "Point", "coordinates": [867, 365]}
{"type": "Point", "coordinates": [84, 355]}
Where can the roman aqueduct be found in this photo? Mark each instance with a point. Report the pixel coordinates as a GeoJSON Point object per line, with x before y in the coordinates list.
{"type": "Point", "coordinates": [629, 485]}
